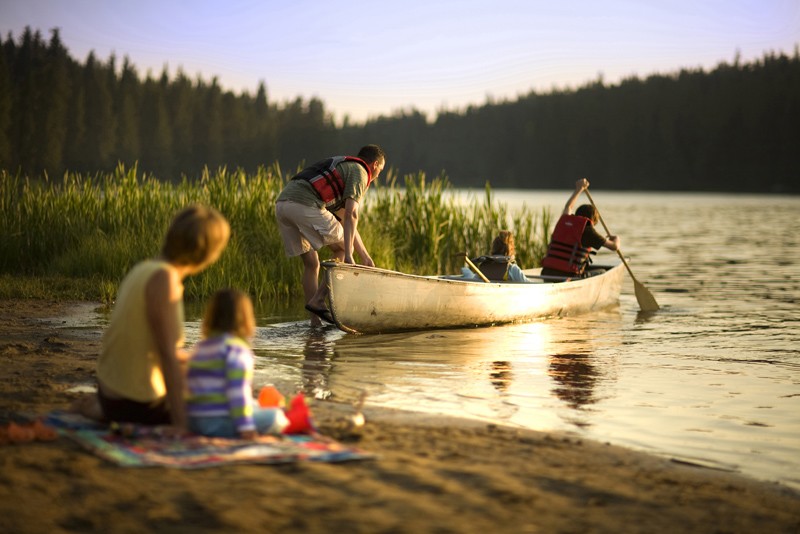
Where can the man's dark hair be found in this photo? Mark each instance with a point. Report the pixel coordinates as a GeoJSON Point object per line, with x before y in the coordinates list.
{"type": "Point", "coordinates": [588, 211]}
{"type": "Point", "coordinates": [371, 153]}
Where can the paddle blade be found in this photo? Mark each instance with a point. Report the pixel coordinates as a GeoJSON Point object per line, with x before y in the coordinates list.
{"type": "Point", "coordinates": [647, 301]}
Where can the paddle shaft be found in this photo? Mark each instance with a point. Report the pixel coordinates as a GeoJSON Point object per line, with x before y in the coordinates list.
{"type": "Point", "coordinates": [608, 232]}
{"type": "Point", "coordinates": [647, 301]}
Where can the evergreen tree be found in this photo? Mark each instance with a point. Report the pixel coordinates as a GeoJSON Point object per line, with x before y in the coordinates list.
{"type": "Point", "coordinates": [305, 133]}
{"type": "Point", "coordinates": [56, 91]}
{"type": "Point", "coordinates": [74, 158]}
{"type": "Point", "coordinates": [5, 109]}
{"type": "Point", "coordinates": [264, 145]}
{"type": "Point", "coordinates": [25, 137]}
{"type": "Point", "coordinates": [99, 143]}
{"type": "Point", "coordinates": [126, 110]}
{"type": "Point", "coordinates": [156, 135]}
{"type": "Point", "coordinates": [234, 124]}
{"type": "Point", "coordinates": [208, 125]}
{"type": "Point", "coordinates": [180, 103]}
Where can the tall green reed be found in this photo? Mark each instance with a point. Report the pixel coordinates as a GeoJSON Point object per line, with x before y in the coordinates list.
{"type": "Point", "coordinates": [423, 226]}
{"type": "Point", "coordinates": [97, 227]}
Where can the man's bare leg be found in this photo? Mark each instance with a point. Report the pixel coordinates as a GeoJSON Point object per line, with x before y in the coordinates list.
{"type": "Point", "coordinates": [319, 298]}
{"type": "Point", "coordinates": [310, 281]}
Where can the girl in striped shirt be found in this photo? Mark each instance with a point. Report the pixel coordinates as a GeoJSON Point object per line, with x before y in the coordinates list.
{"type": "Point", "coordinates": [220, 374]}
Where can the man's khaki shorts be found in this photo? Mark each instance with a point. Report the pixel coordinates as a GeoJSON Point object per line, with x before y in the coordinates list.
{"type": "Point", "coordinates": [304, 228]}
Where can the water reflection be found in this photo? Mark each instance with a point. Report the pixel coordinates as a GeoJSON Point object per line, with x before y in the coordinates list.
{"type": "Point", "coordinates": [501, 375]}
{"type": "Point", "coordinates": [541, 375]}
{"type": "Point", "coordinates": [647, 316]}
{"type": "Point", "coordinates": [524, 374]}
{"type": "Point", "coordinates": [574, 377]}
{"type": "Point", "coordinates": [316, 365]}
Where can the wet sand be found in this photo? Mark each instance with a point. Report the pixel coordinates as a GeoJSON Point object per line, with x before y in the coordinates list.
{"type": "Point", "coordinates": [431, 475]}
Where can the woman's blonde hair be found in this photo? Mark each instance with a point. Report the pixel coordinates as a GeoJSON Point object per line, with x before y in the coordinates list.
{"type": "Point", "coordinates": [229, 311]}
{"type": "Point", "coordinates": [503, 244]}
{"type": "Point", "coordinates": [196, 236]}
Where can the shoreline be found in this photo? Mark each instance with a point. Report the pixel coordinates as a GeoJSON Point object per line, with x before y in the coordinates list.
{"type": "Point", "coordinates": [82, 317]}
{"type": "Point", "coordinates": [431, 474]}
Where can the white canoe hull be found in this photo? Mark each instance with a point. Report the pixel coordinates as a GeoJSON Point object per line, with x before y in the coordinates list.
{"type": "Point", "coordinates": [371, 300]}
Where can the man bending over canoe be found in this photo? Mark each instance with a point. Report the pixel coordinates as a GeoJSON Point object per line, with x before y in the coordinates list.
{"type": "Point", "coordinates": [319, 207]}
{"type": "Point", "coordinates": [574, 239]}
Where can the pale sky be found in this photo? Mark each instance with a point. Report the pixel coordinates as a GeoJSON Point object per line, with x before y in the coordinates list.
{"type": "Point", "coordinates": [369, 58]}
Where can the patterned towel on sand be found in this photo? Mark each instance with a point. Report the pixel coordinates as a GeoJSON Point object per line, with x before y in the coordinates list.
{"type": "Point", "coordinates": [137, 446]}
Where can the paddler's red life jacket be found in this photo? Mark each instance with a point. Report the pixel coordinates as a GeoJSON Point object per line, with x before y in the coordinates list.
{"type": "Point", "coordinates": [494, 267]}
{"type": "Point", "coordinates": [565, 252]}
{"type": "Point", "coordinates": [326, 180]}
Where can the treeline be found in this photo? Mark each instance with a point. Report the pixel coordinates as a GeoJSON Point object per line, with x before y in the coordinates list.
{"type": "Point", "coordinates": [733, 128]}
{"type": "Point", "coordinates": [57, 114]}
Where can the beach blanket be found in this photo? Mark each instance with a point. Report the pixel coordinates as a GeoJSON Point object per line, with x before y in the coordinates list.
{"type": "Point", "coordinates": [137, 446]}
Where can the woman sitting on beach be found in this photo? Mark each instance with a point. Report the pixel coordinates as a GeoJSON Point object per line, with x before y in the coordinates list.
{"type": "Point", "coordinates": [220, 374]}
{"type": "Point", "coordinates": [500, 264]}
{"type": "Point", "coordinates": [139, 372]}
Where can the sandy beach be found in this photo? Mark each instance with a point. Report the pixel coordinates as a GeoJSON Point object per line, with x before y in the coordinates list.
{"type": "Point", "coordinates": [431, 475]}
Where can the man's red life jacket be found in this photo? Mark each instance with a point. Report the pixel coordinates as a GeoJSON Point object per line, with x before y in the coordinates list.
{"type": "Point", "coordinates": [565, 252]}
{"type": "Point", "coordinates": [326, 180]}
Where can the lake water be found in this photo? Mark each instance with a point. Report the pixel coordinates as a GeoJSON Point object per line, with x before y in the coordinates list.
{"type": "Point", "coordinates": [713, 378]}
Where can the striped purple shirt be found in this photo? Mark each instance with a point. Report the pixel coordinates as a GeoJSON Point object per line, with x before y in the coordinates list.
{"type": "Point", "coordinates": [220, 378]}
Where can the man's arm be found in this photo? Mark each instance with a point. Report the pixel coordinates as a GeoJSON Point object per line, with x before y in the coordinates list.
{"type": "Point", "coordinates": [355, 186]}
{"type": "Point", "coordinates": [580, 186]}
{"type": "Point", "coordinates": [350, 225]}
{"type": "Point", "coordinates": [366, 259]}
{"type": "Point", "coordinates": [612, 242]}
{"type": "Point", "coordinates": [357, 243]}
{"type": "Point", "coordinates": [591, 238]}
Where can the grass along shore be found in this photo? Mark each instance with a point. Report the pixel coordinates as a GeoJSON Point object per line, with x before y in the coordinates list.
{"type": "Point", "coordinates": [75, 238]}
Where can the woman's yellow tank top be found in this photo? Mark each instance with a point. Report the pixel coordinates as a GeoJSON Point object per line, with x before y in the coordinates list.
{"type": "Point", "coordinates": [129, 364]}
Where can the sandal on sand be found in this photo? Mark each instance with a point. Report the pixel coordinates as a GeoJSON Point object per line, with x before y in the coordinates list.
{"type": "Point", "coordinates": [322, 313]}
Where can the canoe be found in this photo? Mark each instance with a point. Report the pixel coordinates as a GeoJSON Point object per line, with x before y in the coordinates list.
{"type": "Point", "coordinates": [370, 300]}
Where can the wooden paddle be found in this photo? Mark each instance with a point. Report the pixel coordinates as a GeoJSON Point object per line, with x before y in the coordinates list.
{"type": "Point", "coordinates": [646, 300]}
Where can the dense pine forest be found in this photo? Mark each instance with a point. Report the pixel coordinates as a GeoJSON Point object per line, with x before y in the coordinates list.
{"type": "Point", "coordinates": [733, 128]}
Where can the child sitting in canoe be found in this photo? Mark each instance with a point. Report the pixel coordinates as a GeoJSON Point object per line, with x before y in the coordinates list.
{"type": "Point", "coordinates": [499, 265]}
